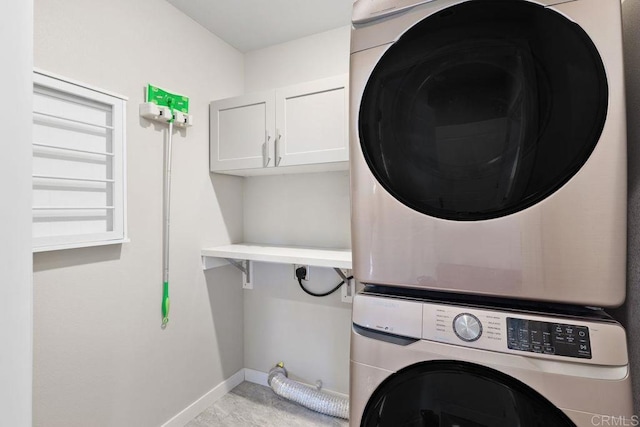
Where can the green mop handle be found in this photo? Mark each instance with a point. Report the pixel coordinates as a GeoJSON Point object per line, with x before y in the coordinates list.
{"type": "Point", "coordinates": [165, 303]}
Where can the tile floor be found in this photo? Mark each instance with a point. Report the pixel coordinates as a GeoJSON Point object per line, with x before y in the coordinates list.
{"type": "Point", "coordinates": [253, 405]}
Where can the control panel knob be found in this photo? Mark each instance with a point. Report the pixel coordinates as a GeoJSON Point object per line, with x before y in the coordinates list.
{"type": "Point", "coordinates": [467, 327]}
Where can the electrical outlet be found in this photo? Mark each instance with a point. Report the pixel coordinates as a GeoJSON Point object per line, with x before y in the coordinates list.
{"type": "Point", "coordinates": [296, 266]}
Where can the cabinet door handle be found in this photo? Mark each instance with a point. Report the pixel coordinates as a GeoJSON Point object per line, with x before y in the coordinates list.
{"type": "Point", "coordinates": [278, 156]}
{"type": "Point", "coordinates": [265, 150]}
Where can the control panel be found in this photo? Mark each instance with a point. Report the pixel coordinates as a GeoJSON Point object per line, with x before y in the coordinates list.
{"type": "Point", "coordinates": [493, 330]}
{"type": "Point", "coordinates": [515, 332]}
{"type": "Point", "coordinates": [559, 339]}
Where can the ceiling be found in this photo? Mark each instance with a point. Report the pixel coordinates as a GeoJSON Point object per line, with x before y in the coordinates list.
{"type": "Point", "coordinates": [253, 24]}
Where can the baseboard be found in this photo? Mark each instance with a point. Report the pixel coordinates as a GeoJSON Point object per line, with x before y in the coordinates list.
{"type": "Point", "coordinates": [207, 400]}
{"type": "Point", "coordinates": [256, 377]}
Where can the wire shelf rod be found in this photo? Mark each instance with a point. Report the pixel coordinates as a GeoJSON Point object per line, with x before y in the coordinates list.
{"type": "Point", "coordinates": [66, 119]}
{"type": "Point", "coordinates": [74, 150]}
{"type": "Point", "coordinates": [67, 178]}
{"type": "Point", "coordinates": [71, 208]}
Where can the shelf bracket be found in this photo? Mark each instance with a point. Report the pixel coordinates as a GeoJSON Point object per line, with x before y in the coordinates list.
{"type": "Point", "coordinates": [342, 274]}
{"type": "Point", "coordinates": [349, 287]}
{"type": "Point", "coordinates": [240, 265]}
{"type": "Point", "coordinates": [245, 267]}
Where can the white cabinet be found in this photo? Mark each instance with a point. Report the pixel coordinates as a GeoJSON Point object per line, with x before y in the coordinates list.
{"type": "Point", "coordinates": [242, 131]}
{"type": "Point", "coordinates": [297, 128]}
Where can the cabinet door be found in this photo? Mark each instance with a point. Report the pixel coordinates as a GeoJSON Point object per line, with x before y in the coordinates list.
{"type": "Point", "coordinates": [242, 132]}
{"type": "Point", "coordinates": [312, 122]}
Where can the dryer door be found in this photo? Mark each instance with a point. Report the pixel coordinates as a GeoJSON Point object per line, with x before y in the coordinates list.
{"type": "Point", "coordinates": [483, 109]}
{"type": "Point", "coordinates": [458, 394]}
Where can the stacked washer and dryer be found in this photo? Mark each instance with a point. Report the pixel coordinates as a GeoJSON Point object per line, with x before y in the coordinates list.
{"type": "Point", "coordinates": [488, 185]}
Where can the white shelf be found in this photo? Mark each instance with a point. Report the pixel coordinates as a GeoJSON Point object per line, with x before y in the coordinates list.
{"type": "Point", "coordinates": [243, 254]}
{"type": "Point", "coordinates": [318, 257]}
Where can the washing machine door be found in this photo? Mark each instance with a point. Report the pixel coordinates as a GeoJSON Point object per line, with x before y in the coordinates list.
{"type": "Point", "coordinates": [483, 109]}
{"type": "Point", "coordinates": [458, 394]}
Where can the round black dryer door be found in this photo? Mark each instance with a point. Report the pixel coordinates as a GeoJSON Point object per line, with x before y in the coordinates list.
{"type": "Point", "coordinates": [483, 109]}
{"type": "Point", "coordinates": [451, 393]}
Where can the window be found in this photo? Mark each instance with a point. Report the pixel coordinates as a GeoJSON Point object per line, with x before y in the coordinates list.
{"type": "Point", "coordinates": [79, 188]}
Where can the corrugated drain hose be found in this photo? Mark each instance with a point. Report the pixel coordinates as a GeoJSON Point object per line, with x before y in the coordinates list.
{"type": "Point", "coordinates": [309, 397]}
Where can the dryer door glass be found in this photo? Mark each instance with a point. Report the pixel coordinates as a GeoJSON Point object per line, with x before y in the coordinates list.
{"type": "Point", "coordinates": [458, 394]}
{"type": "Point", "coordinates": [483, 109]}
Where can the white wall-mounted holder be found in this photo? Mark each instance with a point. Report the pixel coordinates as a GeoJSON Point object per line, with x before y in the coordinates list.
{"type": "Point", "coordinates": [241, 256]}
{"type": "Point", "coordinates": [79, 165]}
{"type": "Point", "coordinates": [181, 119]}
{"type": "Point", "coordinates": [157, 113]}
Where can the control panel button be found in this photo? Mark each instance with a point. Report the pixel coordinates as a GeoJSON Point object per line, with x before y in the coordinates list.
{"type": "Point", "coordinates": [467, 327]}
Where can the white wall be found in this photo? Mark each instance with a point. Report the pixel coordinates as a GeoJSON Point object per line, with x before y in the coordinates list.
{"type": "Point", "coordinates": [100, 357]}
{"type": "Point", "coordinates": [282, 323]}
{"type": "Point", "coordinates": [308, 58]}
{"type": "Point", "coordinates": [16, 25]}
